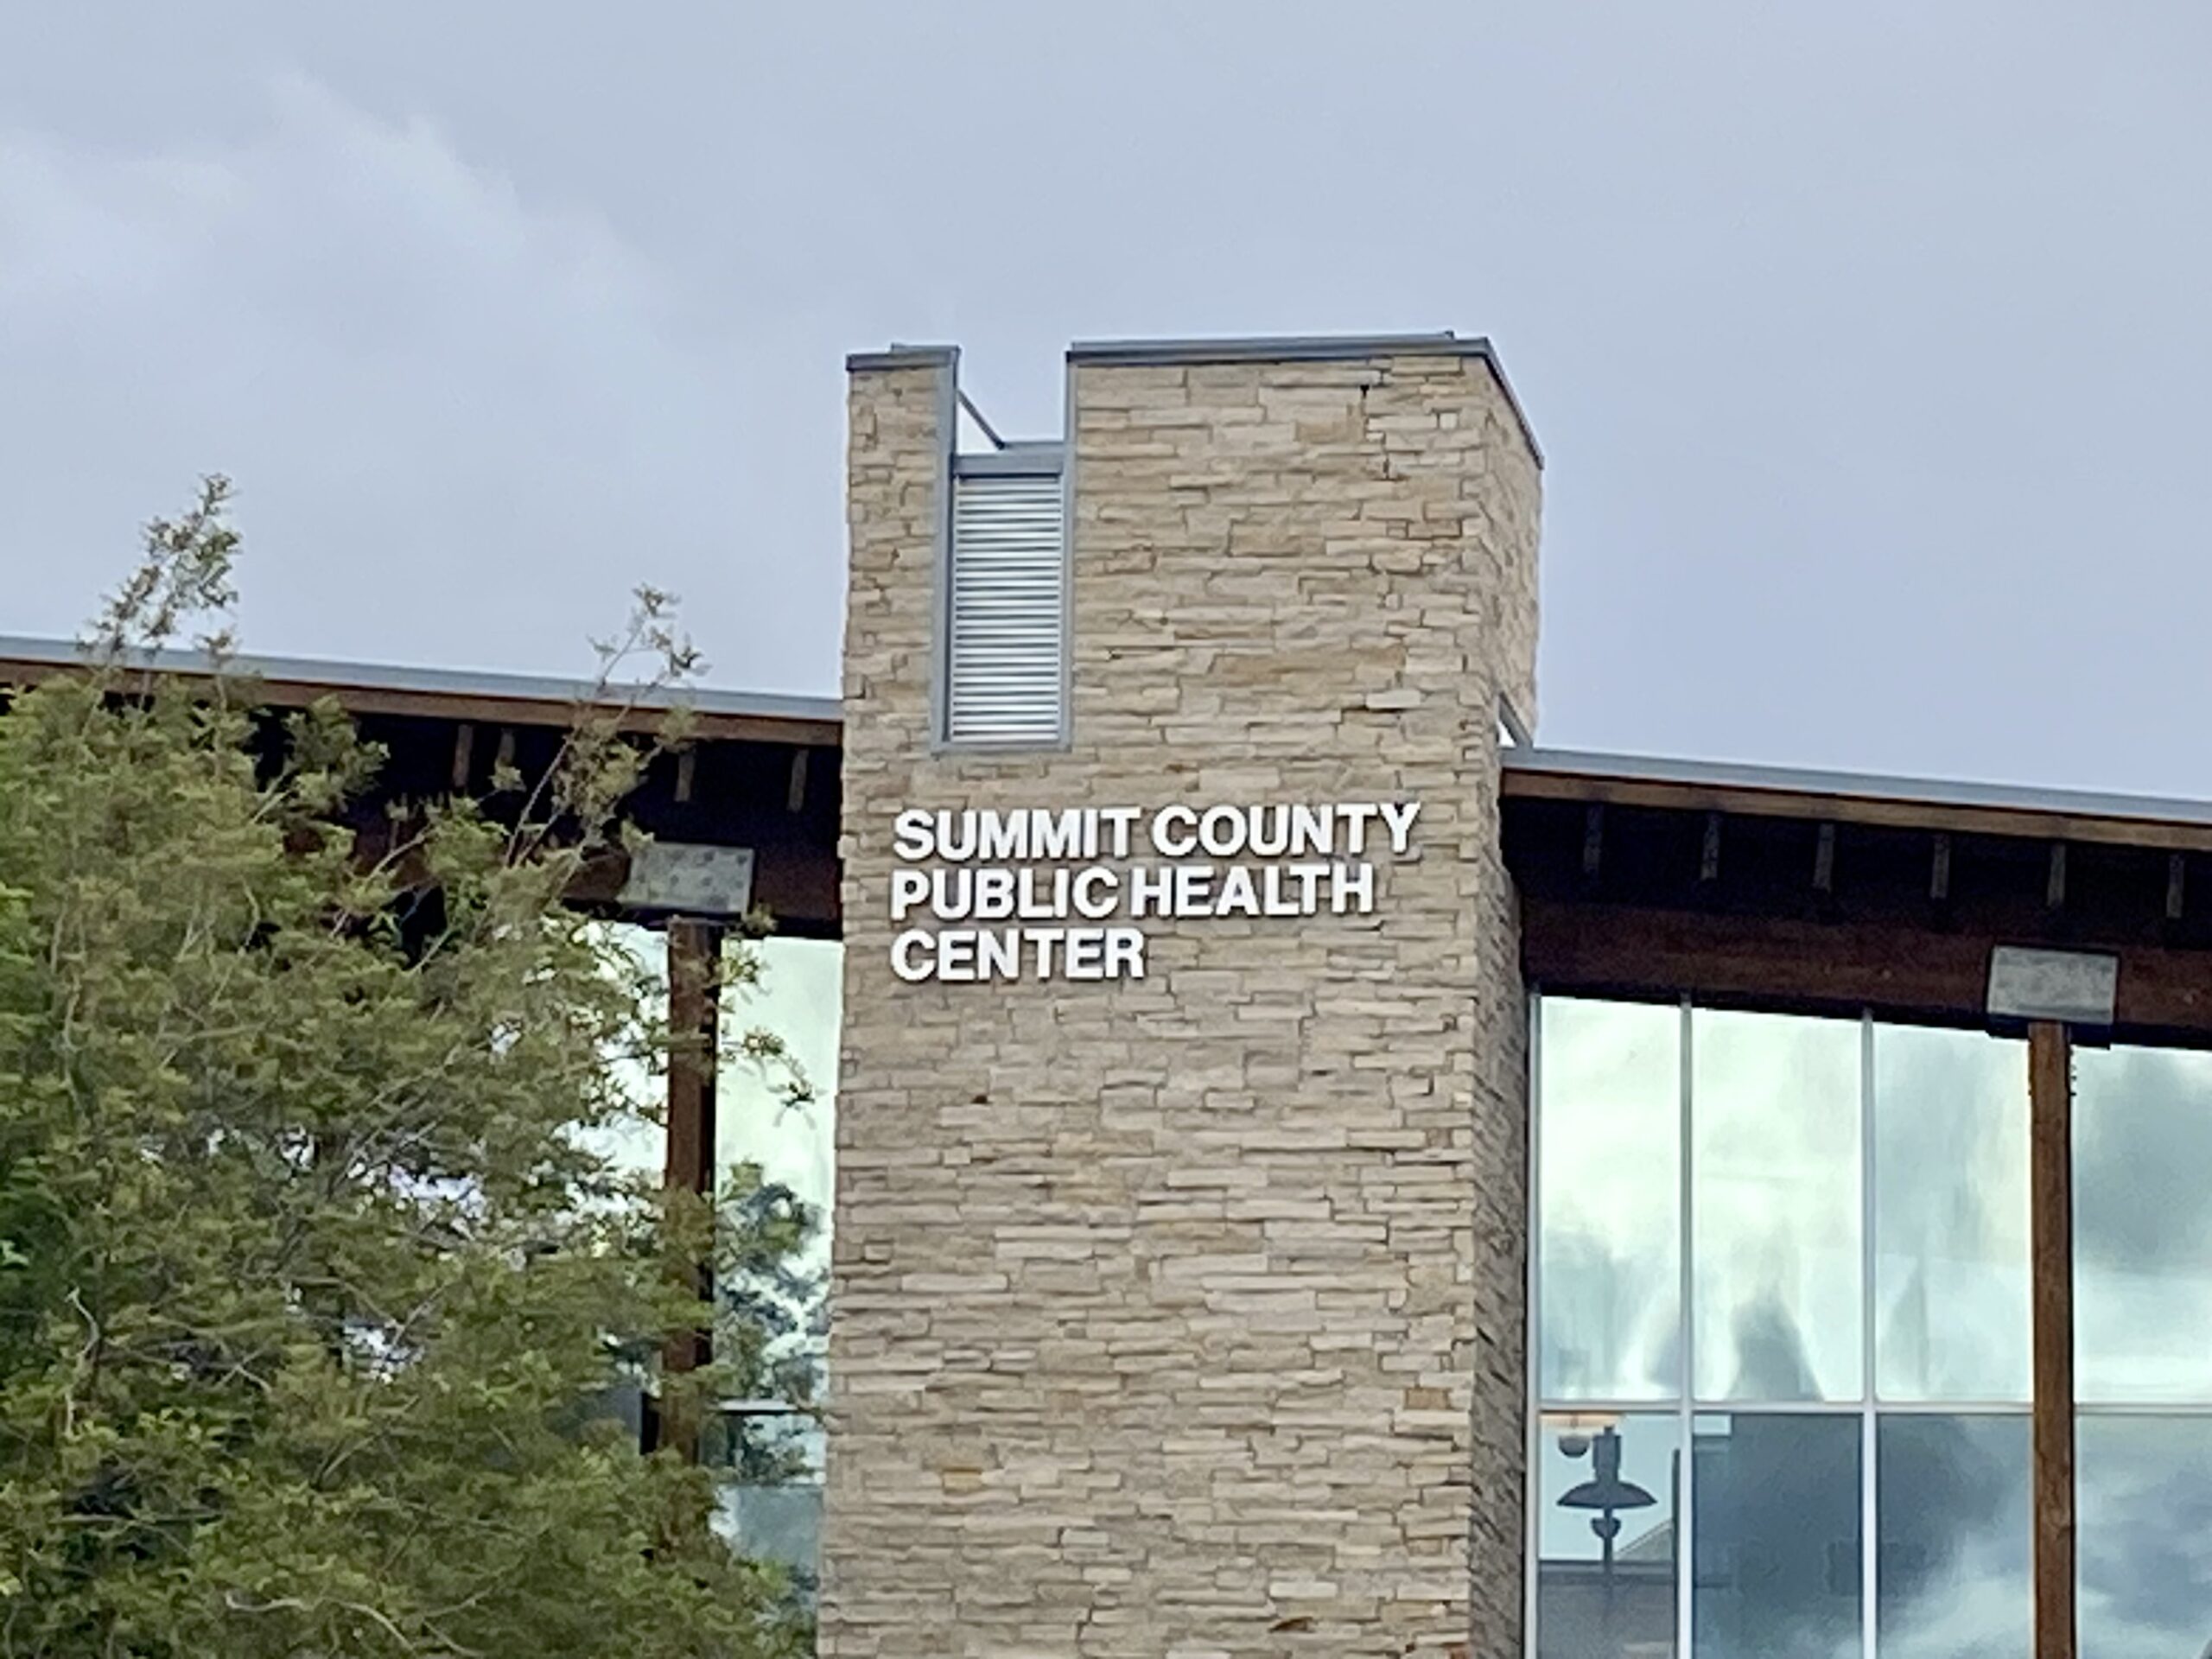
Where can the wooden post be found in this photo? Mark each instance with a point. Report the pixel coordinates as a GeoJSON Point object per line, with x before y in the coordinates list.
{"type": "Point", "coordinates": [2051, 1094]}
{"type": "Point", "coordinates": [693, 1005]}
{"type": "Point", "coordinates": [464, 754]}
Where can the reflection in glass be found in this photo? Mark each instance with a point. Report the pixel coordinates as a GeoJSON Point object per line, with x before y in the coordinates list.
{"type": "Point", "coordinates": [1609, 1129]}
{"type": "Point", "coordinates": [776, 1523]}
{"type": "Point", "coordinates": [775, 1147]}
{"type": "Point", "coordinates": [1776, 1525]}
{"type": "Point", "coordinates": [2142, 1228]}
{"type": "Point", "coordinates": [1954, 1572]}
{"type": "Point", "coordinates": [1605, 1533]}
{"type": "Point", "coordinates": [633, 1143]}
{"type": "Point", "coordinates": [2144, 1506]}
{"type": "Point", "coordinates": [797, 997]}
{"type": "Point", "coordinates": [1774, 1113]}
{"type": "Point", "coordinates": [636, 1147]}
{"type": "Point", "coordinates": [769, 1502]}
{"type": "Point", "coordinates": [1950, 1216]}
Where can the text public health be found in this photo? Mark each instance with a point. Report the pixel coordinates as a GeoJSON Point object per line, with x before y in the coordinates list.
{"type": "Point", "coordinates": [1073, 903]}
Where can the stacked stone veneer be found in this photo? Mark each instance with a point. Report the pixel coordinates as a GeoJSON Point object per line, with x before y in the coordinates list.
{"type": "Point", "coordinates": [1183, 1317]}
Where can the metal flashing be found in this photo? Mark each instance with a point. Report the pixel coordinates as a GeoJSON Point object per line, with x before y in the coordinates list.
{"type": "Point", "coordinates": [1016, 460]}
{"type": "Point", "coordinates": [310, 674]}
{"type": "Point", "coordinates": [1516, 727]}
{"type": "Point", "coordinates": [941, 477]}
{"type": "Point", "coordinates": [1303, 348]}
{"type": "Point", "coordinates": [1276, 348]}
{"type": "Point", "coordinates": [902, 357]}
{"type": "Point", "coordinates": [1782, 791]}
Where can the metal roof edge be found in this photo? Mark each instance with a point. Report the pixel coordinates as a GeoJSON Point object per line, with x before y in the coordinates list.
{"type": "Point", "coordinates": [1045, 459]}
{"type": "Point", "coordinates": [1276, 348]}
{"type": "Point", "coordinates": [902, 357]}
{"type": "Point", "coordinates": [1932, 793]}
{"type": "Point", "coordinates": [1305, 348]}
{"type": "Point", "coordinates": [341, 676]}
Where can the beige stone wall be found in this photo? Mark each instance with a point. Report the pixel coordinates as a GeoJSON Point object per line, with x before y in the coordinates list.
{"type": "Point", "coordinates": [1183, 1317]}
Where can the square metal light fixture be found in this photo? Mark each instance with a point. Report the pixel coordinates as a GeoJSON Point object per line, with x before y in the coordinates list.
{"type": "Point", "coordinates": [2079, 989]}
{"type": "Point", "coordinates": [689, 879]}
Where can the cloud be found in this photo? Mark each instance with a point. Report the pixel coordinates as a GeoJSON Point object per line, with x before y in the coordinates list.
{"type": "Point", "coordinates": [2143, 1143]}
{"type": "Point", "coordinates": [465, 420]}
{"type": "Point", "coordinates": [2145, 1506]}
{"type": "Point", "coordinates": [1951, 1214]}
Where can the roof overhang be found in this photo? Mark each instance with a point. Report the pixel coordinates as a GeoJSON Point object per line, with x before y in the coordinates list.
{"type": "Point", "coordinates": [445, 693]}
{"type": "Point", "coordinates": [1839, 893]}
{"type": "Point", "coordinates": [1851, 797]}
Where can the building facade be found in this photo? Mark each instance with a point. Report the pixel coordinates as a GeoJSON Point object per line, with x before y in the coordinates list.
{"type": "Point", "coordinates": [1608, 1208]}
{"type": "Point", "coordinates": [1316, 1171]}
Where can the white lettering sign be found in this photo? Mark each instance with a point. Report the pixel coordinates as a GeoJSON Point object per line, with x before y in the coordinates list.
{"type": "Point", "coordinates": [983, 893]}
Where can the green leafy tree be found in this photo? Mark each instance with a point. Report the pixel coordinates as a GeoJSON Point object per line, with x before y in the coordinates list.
{"type": "Point", "coordinates": [312, 1289]}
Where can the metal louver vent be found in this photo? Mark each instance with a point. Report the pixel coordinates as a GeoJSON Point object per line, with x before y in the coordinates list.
{"type": "Point", "coordinates": [1007, 655]}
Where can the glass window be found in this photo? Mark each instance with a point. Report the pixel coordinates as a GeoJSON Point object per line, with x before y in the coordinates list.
{"type": "Point", "coordinates": [1775, 1528]}
{"type": "Point", "coordinates": [1790, 1252]}
{"type": "Point", "coordinates": [1605, 1536]}
{"type": "Point", "coordinates": [1609, 1129]}
{"type": "Point", "coordinates": [779, 1116]}
{"type": "Point", "coordinates": [635, 1144]}
{"type": "Point", "coordinates": [2142, 1228]}
{"type": "Point", "coordinates": [1954, 1568]}
{"type": "Point", "coordinates": [769, 1504]}
{"type": "Point", "coordinates": [775, 1123]}
{"type": "Point", "coordinates": [780, 1524]}
{"type": "Point", "coordinates": [775, 1129]}
{"type": "Point", "coordinates": [2143, 1504]}
{"type": "Point", "coordinates": [1775, 1199]}
{"type": "Point", "coordinates": [1950, 1216]}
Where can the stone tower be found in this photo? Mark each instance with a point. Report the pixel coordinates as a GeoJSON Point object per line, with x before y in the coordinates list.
{"type": "Point", "coordinates": [1178, 1302]}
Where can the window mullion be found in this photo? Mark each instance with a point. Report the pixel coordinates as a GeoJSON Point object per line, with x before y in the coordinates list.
{"type": "Point", "coordinates": [1532, 1358]}
{"type": "Point", "coordinates": [1870, 1495]}
{"type": "Point", "coordinates": [1686, 1499]}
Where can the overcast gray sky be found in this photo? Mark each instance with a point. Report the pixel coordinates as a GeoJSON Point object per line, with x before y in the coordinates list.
{"type": "Point", "coordinates": [1871, 346]}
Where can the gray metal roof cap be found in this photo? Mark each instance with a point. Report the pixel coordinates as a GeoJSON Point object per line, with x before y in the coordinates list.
{"type": "Point", "coordinates": [1922, 791]}
{"type": "Point", "coordinates": [437, 681]}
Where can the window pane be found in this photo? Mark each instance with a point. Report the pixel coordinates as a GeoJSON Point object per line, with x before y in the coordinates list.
{"type": "Point", "coordinates": [1773, 1113]}
{"type": "Point", "coordinates": [797, 998]}
{"type": "Point", "coordinates": [777, 1523]}
{"type": "Point", "coordinates": [1609, 1129]}
{"type": "Point", "coordinates": [781, 1149]}
{"type": "Point", "coordinates": [2144, 1509]}
{"type": "Point", "coordinates": [635, 1145]}
{"type": "Point", "coordinates": [1950, 1216]}
{"type": "Point", "coordinates": [1956, 1545]}
{"type": "Point", "coordinates": [1596, 1477]}
{"type": "Point", "coordinates": [2142, 1228]}
{"type": "Point", "coordinates": [769, 1501]}
{"type": "Point", "coordinates": [1776, 1511]}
